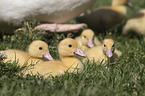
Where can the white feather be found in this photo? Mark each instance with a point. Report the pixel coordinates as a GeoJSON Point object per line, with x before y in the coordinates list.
{"type": "Point", "coordinates": [59, 11]}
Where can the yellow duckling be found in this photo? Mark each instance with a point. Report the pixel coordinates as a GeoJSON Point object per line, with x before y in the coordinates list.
{"type": "Point", "coordinates": [36, 51]}
{"type": "Point", "coordinates": [96, 41]}
{"type": "Point", "coordinates": [67, 49]}
{"type": "Point", "coordinates": [106, 17]}
{"type": "Point", "coordinates": [105, 51]}
{"type": "Point", "coordinates": [85, 40]}
{"type": "Point", "coordinates": [136, 23]}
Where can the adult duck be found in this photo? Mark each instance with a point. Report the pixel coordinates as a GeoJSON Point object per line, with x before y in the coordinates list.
{"type": "Point", "coordinates": [13, 12]}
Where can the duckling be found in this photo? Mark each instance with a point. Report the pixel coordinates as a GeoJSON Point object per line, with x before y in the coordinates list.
{"type": "Point", "coordinates": [36, 51]}
{"type": "Point", "coordinates": [103, 52]}
{"type": "Point", "coordinates": [96, 41]}
{"type": "Point", "coordinates": [67, 49]}
{"type": "Point", "coordinates": [85, 40]}
{"type": "Point", "coordinates": [136, 23]}
{"type": "Point", "coordinates": [105, 18]}
{"type": "Point", "coordinates": [13, 12]}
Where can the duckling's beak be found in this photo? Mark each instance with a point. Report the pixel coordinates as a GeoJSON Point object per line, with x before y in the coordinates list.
{"type": "Point", "coordinates": [109, 53]}
{"type": "Point", "coordinates": [90, 43]}
{"type": "Point", "coordinates": [48, 56]}
{"type": "Point", "coordinates": [129, 4]}
{"type": "Point", "coordinates": [80, 52]}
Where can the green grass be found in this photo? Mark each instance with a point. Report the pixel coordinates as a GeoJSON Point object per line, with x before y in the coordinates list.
{"type": "Point", "coordinates": [126, 76]}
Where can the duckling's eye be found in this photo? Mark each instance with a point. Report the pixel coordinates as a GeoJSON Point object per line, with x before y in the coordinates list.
{"type": "Point", "coordinates": [69, 45]}
{"type": "Point", "coordinates": [104, 45]}
{"type": "Point", "coordinates": [40, 48]}
{"type": "Point", "coordinates": [113, 45]}
{"type": "Point", "coordinates": [84, 36]}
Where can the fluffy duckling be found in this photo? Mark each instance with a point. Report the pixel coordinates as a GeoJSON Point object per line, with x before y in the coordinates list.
{"type": "Point", "coordinates": [105, 51]}
{"type": "Point", "coordinates": [67, 49]}
{"type": "Point", "coordinates": [136, 23]}
{"type": "Point", "coordinates": [13, 12]}
{"type": "Point", "coordinates": [105, 17]}
{"type": "Point", "coordinates": [85, 40]}
{"type": "Point", "coordinates": [36, 51]}
{"type": "Point", "coordinates": [96, 41]}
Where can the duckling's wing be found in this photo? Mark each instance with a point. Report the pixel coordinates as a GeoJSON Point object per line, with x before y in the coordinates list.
{"type": "Point", "coordinates": [49, 68]}
{"type": "Point", "coordinates": [17, 55]}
